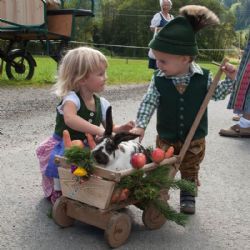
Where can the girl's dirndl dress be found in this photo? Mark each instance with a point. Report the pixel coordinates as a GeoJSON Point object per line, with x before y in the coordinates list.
{"type": "Point", "coordinates": [54, 145]}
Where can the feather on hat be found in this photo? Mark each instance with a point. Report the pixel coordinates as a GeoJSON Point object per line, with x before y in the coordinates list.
{"type": "Point", "coordinates": [199, 16]}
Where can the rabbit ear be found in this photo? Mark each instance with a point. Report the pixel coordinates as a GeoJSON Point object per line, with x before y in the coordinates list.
{"type": "Point", "coordinates": [123, 136]}
{"type": "Point", "coordinates": [109, 122]}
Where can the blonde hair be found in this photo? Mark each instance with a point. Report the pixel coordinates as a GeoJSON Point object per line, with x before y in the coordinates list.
{"type": "Point", "coordinates": [75, 65]}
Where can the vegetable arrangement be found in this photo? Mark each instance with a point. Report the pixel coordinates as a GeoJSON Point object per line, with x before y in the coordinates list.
{"type": "Point", "coordinates": [67, 140]}
{"type": "Point", "coordinates": [78, 156]}
{"type": "Point", "coordinates": [157, 155]}
{"type": "Point", "coordinates": [81, 161]}
{"type": "Point", "coordinates": [145, 188]}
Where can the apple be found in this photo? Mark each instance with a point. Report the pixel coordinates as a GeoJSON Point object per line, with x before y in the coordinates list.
{"type": "Point", "coordinates": [158, 155]}
{"type": "Point", "coordinates": [138, 160]}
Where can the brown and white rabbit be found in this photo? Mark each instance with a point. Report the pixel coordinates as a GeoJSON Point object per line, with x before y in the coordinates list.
{"type": "Point", "coordinates": [114, 151]}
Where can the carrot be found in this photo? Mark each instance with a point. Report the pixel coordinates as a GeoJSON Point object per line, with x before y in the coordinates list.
{"type": "Point", "coordinates": [124, 194]}
{"type": "Point", "coordinates": [77, 143]}
{"type": "Point", "coordinates": [91, 140]}
{"type": "Point", "coordinates": [170, 152]}
{"type": "Point", "coordinates": [115, 196]}
{"type": "Point", "coordinates": [66, 139]}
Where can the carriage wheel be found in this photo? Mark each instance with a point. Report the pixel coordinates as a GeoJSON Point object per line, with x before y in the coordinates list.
{"type": "Point", "coordinates": [59, 213]}
{"type": "Point", "coordinates": [19, 66]}
{"type": "Point", "coordinates": [118, 229]}
{"type": "Point", "coordinates": [152, 218]}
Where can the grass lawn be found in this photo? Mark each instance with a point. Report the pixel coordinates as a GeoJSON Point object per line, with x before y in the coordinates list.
{"type": "Point", "coordinates": [120, 71]}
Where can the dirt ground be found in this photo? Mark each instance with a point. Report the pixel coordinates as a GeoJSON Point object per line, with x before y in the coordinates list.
{"type": "Point", "coordinates": [27, 117]}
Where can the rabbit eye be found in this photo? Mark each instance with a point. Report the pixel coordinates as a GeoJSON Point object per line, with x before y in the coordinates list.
{"type": "Point", "coordinates": [109, 147]}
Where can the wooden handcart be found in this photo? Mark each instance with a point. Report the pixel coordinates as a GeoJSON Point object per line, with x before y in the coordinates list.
{"type": "Point", "coordinates": [90, 202]}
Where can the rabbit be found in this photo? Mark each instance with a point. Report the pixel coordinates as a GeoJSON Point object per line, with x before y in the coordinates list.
{"type": "Point", "coordinates": [114, 151]}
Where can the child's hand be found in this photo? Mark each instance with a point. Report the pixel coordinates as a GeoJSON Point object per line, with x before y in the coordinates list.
{"type": "Point", "coordinates": [125, 127]}
{"type": "Point", "coordinates": [229, 70]}
{"type": "Point", "coordinates": [138, 131]}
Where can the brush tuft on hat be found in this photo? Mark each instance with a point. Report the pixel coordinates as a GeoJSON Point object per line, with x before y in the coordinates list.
{"type": "Point", "coordinates": [199, 16]}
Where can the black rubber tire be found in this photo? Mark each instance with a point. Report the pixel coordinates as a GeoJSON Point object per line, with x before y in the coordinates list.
{"type": "Point", "coordinates": [25, 64]}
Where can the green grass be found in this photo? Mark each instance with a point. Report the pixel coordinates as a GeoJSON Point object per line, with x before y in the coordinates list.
{"type": "Point", "coordinates": [120, 71]}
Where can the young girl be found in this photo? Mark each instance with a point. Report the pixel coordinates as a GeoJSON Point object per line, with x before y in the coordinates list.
{"type": "Point", "coordinates": [82, 73]}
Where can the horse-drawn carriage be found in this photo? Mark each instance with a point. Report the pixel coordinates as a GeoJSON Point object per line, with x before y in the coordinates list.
{"type": "Point", "coordinates": [22, 21]}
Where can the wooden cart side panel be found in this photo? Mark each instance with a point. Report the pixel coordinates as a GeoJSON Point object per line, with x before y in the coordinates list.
{"type": "Point", "coordinates": [60, 24]}
{"type": "Point", "coordinates": [101, 172]}
{"type": "Point", "coordinates": [22, 12]}
{"type": "Point", "coordinates": [95, 191]}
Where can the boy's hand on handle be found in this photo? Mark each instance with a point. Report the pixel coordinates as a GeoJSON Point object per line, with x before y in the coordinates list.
{"type": "Point", "coordinates": [138, 131]}
{"type": "Point", "coordinates": [229, 70]}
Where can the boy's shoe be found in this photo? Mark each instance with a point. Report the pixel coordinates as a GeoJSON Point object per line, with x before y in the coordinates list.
{"type": "Point", "coordinates": [54, 196]}
{"type": "Point", "coordinates": [187, 203]}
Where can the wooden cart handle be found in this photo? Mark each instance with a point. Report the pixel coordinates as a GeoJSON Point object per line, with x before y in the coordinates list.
{"type": "Point", "coordinates": [200, 113]}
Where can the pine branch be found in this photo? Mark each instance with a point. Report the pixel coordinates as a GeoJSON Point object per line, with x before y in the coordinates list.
{"type": "Point", "coordinates": [185, 186]}
{"type": "Point", "coordinates": [169, 213]}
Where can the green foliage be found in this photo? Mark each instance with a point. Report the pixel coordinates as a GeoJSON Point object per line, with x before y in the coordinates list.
{"type": "Point", "coordinates": [240, 9]}
{"type": "Point", "coordinates": [146, 187]}
{"type": "Point", "coordinates": [80, 157]}
{"type": "Point", "coordinates": [130, 20]}
{"type": "Point", "coordinates": [169, 213]}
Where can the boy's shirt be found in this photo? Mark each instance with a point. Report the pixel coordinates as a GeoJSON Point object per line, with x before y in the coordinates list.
{"type": "Point", "coordinates": [151, 100]}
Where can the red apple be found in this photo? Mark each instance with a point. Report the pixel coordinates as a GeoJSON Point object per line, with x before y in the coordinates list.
{"type": "Point", "coordinates": [138, 160]}
{"type": "Point", "coordinates": [157, 155]}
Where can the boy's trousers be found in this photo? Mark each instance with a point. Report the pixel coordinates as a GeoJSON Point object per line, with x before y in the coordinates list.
{"type": "Point", "coordinates": [190, 165]}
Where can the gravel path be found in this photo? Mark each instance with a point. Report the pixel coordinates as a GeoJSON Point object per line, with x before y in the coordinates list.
{"type": "Point", "coordinates": [27, 117]}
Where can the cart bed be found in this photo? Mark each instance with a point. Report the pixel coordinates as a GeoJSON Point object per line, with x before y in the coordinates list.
{"type": "Point", "coordinates": [98, 189]}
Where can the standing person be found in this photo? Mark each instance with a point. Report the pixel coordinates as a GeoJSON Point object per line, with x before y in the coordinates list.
{"type": "Point", "coordinates": [177, 90]}
{"type": "Point", "coordinates": [158, 21]}
{"type": "Point", "coordinates": [82, 74]}
{"type": "Point", "coordinates": [240, 99]}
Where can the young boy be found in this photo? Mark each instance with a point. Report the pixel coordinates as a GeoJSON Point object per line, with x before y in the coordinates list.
{"type": "Point", "coordinates": [177, 90]}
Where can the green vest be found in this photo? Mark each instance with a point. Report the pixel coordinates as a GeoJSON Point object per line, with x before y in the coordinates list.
{"type": "Point", "coordinates": [88, 115]}
{"type": "Point", "coordinates": [176, 112]}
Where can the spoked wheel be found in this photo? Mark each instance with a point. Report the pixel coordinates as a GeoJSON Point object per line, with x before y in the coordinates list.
{"type": "Point", "coordinates": [118, 229]}
{"type": "Point", "coordinates": [152, 218]}
{"type": "Point", "coordinates": [20, 66]}
{"type": "Point", "coordinates": [59, 213]}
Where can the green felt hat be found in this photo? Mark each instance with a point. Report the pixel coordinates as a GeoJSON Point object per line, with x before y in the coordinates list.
{"type": "Point", "coordinates": [177, 37]}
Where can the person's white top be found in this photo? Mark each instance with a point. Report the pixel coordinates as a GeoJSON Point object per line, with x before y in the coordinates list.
{"type": "Point", "coordinates": [72, 96]}
{"type": "Point", "coordinates": [155, 22]}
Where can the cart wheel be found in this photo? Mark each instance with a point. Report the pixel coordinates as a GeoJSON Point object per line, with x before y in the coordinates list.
{"type": "Point", "coordinates": [118, 229]}
{"type": "Point", "coordinates": [20, 66]}
{"type": "Point", "coordinates": [152, 218]}
{"type": "Point", "coordinates": [59, 213]}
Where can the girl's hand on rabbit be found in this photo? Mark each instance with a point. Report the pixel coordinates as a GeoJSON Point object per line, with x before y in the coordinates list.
{"type": "Point", "coordinates": [138, 131]}
{"type": "Point", "coordinates": [124, 128]}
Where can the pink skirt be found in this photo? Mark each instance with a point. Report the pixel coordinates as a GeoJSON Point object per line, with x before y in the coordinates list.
{"type": "Point", "coordinates": [43, 154]}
